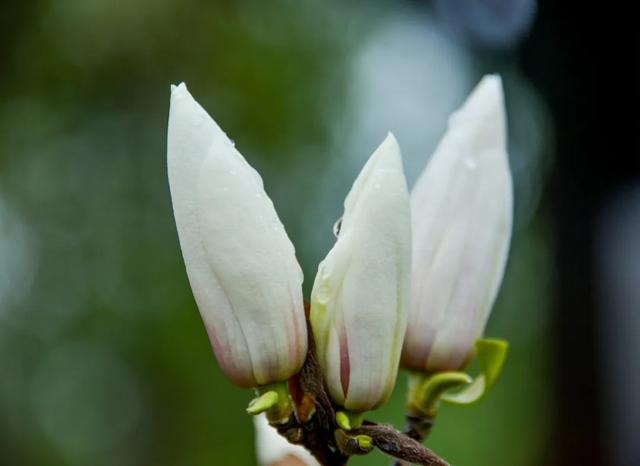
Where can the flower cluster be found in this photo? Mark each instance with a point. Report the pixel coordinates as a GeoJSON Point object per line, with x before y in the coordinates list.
{"type": "Point", "coordinates": [410, 281]}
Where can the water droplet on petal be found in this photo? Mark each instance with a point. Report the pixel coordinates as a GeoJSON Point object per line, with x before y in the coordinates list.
{"type": "Point", "coordinates": [336, 227]}
{"type": "Point", "coordinates": [470, 163]}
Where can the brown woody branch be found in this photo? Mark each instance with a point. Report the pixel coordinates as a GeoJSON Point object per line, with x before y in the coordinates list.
{"type": "Point", "coordinates": [314, 427]}
{"type": "Point", "coordinates": [418, 428]}
{"type": "Point", "coordinates": [396, 444]}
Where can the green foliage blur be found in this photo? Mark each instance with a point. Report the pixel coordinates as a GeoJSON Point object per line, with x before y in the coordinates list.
{"type": "Point", "coordinates": [103, 357]}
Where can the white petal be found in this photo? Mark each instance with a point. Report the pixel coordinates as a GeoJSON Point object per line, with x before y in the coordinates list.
{"type": "Point", "coordinates": [461, 214]}
{"type": "Point", "coordinates": [361, 290]}
{"type": "Point", "coordinates": [241, 264]}
{"type": "Point", "coordinates": [271, 447]}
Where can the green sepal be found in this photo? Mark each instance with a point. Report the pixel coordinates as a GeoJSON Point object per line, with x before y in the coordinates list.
{"type": "Point", "coordinates": [349, 445]}
{"type": "Point", "coordinates": [425, 390]}
{"type": "Point", "coordinates": [365, 443]}
{"type": "Point", "coordinates": [263, 403]}
{"type": "Point", "coordinates": [272, 399]}
{"type": "Point", "coordinates": [490, 355]}
{"type": "Point", "coordinates": [348, 420]}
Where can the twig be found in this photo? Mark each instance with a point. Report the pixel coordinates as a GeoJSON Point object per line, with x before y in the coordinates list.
{"type": "Point", "coordinates": [390, 441]}
{"type": "Point", "coordinates": [417, 427]}
{"type": "Point", "coordinates": [314, 424]}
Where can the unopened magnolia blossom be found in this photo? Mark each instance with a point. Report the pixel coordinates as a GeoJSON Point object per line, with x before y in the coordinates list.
{"type": "Point", "coordinates": [435, 258]}
{"type": "Point", "coordinates": [359, 301]}
{"type": "Point", "coordinates": [240, 262]}
{"type": "Point", "coordinates": [461, 210]}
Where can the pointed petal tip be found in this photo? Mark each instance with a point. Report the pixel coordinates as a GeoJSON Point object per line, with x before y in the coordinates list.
{"type": "Point", "coordinates": [490, 86]}
{"type": "Point", "coordinates": [493, 79]}
{"type": "Point", "coordinates": [390, 139]}
{"type": "Point", "coordinates": [388, 150]}
{"type": "Point", "coordinates": [484, 97]}
{"type": "Point", "coordinates": [180, 90]}
{"type": "Point", "coordinates": [178, 87]}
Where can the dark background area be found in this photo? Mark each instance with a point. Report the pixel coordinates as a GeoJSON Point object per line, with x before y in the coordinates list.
{"type": "Point", "coordinates": [585, 62]}
{"type": "Point", "coordinates": [103, 358]}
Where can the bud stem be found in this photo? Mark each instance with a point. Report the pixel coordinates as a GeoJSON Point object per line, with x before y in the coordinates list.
{"type": "Point", "coordinates": [426, 389]}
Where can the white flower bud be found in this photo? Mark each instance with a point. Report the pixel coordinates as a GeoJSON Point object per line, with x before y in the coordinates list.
{"type": "Point", "coordinates": [360, 297]}
{"type": "Point", "coordinates": [461, 210]}
{"type": "Point", "coordinates": [240, 262]}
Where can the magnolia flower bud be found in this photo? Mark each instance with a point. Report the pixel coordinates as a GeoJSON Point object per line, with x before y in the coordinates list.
{"type": "Point", "coordinates": [240, 262]}
{"type": "Point", "coordinates": [461, 210]}
{"type": "Point", "coordinates": [274, 450]}
{"type": "Point", "coordinates": [359, 301]}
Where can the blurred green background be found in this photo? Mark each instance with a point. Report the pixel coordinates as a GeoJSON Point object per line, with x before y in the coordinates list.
{"type": "Point", "coordinates": [103, 357]}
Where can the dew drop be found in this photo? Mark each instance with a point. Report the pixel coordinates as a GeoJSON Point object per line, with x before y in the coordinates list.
{"type": "Point", "coordinates": [470, 163]}
{"type": "Point", "coordinates": [336, 227]}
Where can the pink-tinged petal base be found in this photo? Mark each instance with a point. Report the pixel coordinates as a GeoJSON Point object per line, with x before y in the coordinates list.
{"type": "Point", "coordinates": [434, 352]}
{"type": "Point", "coordinates": [345, 364]}
{"type": "Point", "coordinates": [416, 347]}
{"type": "Point", "coordinates": [237, 375]}
{"type": "Point", "coordinates": [452, 360]}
